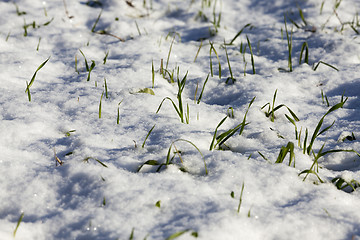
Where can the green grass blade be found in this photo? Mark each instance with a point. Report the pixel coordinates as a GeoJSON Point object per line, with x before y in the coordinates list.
{"type": "Point", "coordinates": [202, 90]}
{"type": "Point", "coordinates": [33, 77]}
{"type": "Point", "coordinates": [251, 53]}
{"type": "Point", "coordinates": [143, 145]}
{"type": "Point", "coordinates": [102, 94]}
{"type": "Point", "coordinates": [240, 200]}
{"type": "Point", "coordinates": [86, 63]}
{"type": "Point", "coordinates": [90, 69]}
{"type": "Point", "coordinates": [177, 234]}
{"type": "Point", "coordinates": [202, 156]}
{"type": "Point", "coordinates": [212, 144]}
{"type": "Point", "coordinates": [149, 162]}
{"type": "Point", "coordinates": [244, 120]}
{"type": "Point", "coordinates": [198, 51]}
{"type": "Point", "coordinates": [305, 48]}
{"type": "Point", "coordinates": [168, 58]}
{"type": "Point", "coordinates": [326, 64]}
{"type": "Point", "coordinates": [212, 48]}
{"type": "Point", "coordinates": [106, 56]}
{"type": "Point", "coordinates": [96, 22]}
{"type": "Point", "coordinates": [106, 88]}
{"type": "Point", "coordinates": [18, 224]}
{"type": "Point", "coordinates": [317, 129]}
{"type": "Point", "coordinates": [175, 107]}
{"type": "Point", "coordinates": [152, 73]}
{"type": "Point", "coordinates": [239, 33]}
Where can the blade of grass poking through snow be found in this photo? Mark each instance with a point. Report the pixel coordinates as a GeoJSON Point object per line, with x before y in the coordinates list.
{"type": "Point", "coordinates": [168, 58]}
{"type": "Point", "coordinates": [33, 78]}
{"type": "Point", "coordinates": [271, 109]}
{"type": "Point", "coordinates": [168, 159]}
{"type": "Point", "coordinates": [90, 69]}
{"type": "Point", "coordinates": [240, 200]}
{"type": "Point", "coordinates": [37, 48]}
{"type": "Point", "coordinates": [222, 138]}
{"type": "Point", "coordinates": [106, 56]}
{"type": "Point", "coordinates": [244, 120]}
{"type": "Point", "coordinates": [306, 57]}
{"type": "Point", "coordinates": [202, 90]}
{"type": "Point", "coordinates": [317, 131]}
{"type": "Point", "coordinates": [212, 48]}
{"type": "Point", "coordinates": [302, 16]}
{"type": "Point", "coordinates": [132, 234]}
{"type": "Point", "coordinates": [152, 74]}
{"type": "Point", "coordinates": [102, 94]}
{"type": "Point", "coordinates": [177, 234]}
{"type": "Point", "coordinates": [289, 42]}
{"type": "Point", "coordinates": [326, 64]}
{"type": "Point", "coordinates": [239, 33]}
{"type": "Point", "coordinates": [88, 158]}
{"type": "Point", "coordinates": [213, 144]}
{"type": "Point", "coordinates": [198, 51]}
{"type": "Point", "coordinates": [179, 109]}
{"type": "Point", "coordinates": [106, 88]}
{"type": "Point", "coordinates": [228, 61]}
{"type": "Point", "coordinates": [149, 162]}
{"type": "Point", "coordinates": [284, 151]}
{"type": "Point", "coordinates": [18, 224]}
{"type": "Point", "coordinates": [251, 53]}
{"type": "Point", "coordinates": [143, 145]}
{"type": "Point", "coordinates": [86, 63]}
{"type": "Point", "coordinates": [96, 22]}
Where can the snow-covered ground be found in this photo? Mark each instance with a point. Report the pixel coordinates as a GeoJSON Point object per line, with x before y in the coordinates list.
{"type": "Point", "coordinates": [238, 192]}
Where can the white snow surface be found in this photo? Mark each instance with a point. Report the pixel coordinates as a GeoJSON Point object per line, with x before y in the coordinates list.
{"type": "Point", "coordinates": [83, 199]}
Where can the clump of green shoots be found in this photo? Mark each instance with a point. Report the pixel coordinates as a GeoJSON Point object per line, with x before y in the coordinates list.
{"type": "Point", "coordinates": [28, 85]}
{"type": "Point", "coordinates": [271, 109]}
{"type": "Point", "coordinates": [222, 138]}
{"type": "Point", "coordinates": [314, 169]}
{"type": "Point", "coordinates": [170, 158]}
{"type": "Point", "coordinates": [183, 115]}
{"type": "Point", "coordinates": [88, 68]}
{"type": "Point", "coordinates": [284, 151]}
{"type": "Point", "coordinates": [345, 185]}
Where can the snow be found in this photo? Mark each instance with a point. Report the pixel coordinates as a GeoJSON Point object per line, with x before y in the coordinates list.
{"type": "Point", "coordinates": [83, 199]}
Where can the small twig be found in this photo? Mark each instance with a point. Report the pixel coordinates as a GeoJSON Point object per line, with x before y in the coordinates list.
{"type": "Point", "coordinates": [110, 34]}
{"type": "Point", "coordinates": [57, 160]}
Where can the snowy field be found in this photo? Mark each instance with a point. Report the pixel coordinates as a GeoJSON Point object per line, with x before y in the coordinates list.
{"type": "Point", "coordinates": [163, 119]}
